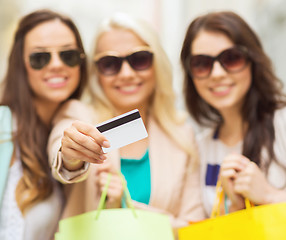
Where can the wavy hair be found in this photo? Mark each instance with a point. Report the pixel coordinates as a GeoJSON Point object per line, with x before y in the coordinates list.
{"type": "Point", "coordinates": [32, 134]}
{"type": "Point", "coordinates": [263, 97]}
{"type": "Point", "coordinates": [162, 107]}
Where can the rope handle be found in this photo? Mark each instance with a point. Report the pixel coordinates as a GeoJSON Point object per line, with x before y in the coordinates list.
{"type": "Point", "coordinates": [220, 195]}
{"type": "Point", "coordinates": [104, 194]}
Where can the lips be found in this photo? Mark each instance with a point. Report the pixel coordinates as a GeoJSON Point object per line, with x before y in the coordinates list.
{"type": "Point", "coordinates": [129, 89]}
{"type": "Point", "coordinates": [221, 90]}
{"type": "Point", "coordinates": [56, 82]}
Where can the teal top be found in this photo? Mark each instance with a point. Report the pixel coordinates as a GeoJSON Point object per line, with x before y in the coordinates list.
{"type": "Point", "coordinates": [138, 177]}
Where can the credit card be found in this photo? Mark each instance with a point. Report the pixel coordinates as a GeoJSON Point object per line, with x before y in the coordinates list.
{"type": "Point", "coordinates": [123, 130]}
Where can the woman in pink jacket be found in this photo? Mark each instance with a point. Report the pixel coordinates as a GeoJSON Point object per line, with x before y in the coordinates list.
{"type": "Point", "coordinates": [130, 71]}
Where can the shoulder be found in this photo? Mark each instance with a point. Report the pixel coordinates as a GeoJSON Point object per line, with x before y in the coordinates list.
{"type": "Point", "coordinates": [5, 113]}
{"type": "Point", "coordinates": [279, 121]}
{"type": "Point", "coordinates": [182, 128]}
{"type": "Point", "coordinates": [74, 109]}
{"type": "Point", "coordinates": [205, 135]}
{"type": "Point", "coordinates": [280, 115]}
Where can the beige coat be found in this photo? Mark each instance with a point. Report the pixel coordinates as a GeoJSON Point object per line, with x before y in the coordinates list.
{"type": "Point", "coordinates": [175, 189]}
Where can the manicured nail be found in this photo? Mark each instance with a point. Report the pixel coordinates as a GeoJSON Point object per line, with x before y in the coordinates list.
{"type": "Point", "coordinates": [106, 144]}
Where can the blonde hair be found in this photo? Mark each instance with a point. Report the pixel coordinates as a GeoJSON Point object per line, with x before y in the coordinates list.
{"type": "Point", "coordinates": [162, 107]}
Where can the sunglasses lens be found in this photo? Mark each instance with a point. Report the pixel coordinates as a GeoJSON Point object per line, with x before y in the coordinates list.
{"type": "Point", "coordinates": [70, 57]}
{"type": "Point", "coordinates": [200, 66]}
{"type": "Point", "coordinates": [233, 60]}
{"type": "Point", "coordinates": [140, 60]}
{"type": "Point", "coordinates": [39, 59]}
{"type": "Point", "coordinates": [109, 65]}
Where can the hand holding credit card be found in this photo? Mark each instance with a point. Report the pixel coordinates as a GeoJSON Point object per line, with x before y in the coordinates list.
{"type": "Point", "coordinates": [123, 130]}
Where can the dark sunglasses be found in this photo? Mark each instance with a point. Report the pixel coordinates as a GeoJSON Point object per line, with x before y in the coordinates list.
{"type": "Point", "coordinates": [71, 58]}
{"type": "Point", "coordinates": [233, 60]}
{"type": "Point", "coordinates": [109, 63]}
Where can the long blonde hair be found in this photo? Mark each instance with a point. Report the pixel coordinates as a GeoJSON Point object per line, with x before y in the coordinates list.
{"type": "Point", "coordinates": [162, 107]}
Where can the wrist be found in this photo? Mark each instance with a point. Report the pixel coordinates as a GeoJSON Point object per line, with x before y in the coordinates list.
{"type": "Point", "coordinates": [274, 196]}
{"type": "Point", "coordinates": [237, 204]}
{"type": "Point", "coordinates": [72, 164]}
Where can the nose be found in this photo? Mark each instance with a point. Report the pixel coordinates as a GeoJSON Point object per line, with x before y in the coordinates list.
{"type": "Point", "coordinates": [55, 61]}
{"type": "Point", "coordinates": [126, 70]}
{"type": "Point", "coordinates": [217, 70]}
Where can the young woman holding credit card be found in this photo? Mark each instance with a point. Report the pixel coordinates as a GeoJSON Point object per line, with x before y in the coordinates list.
{"type": "Point", "coordinates": [46, 67]}
{"type": "Point", "coordinates": [131, 71]}
{"type": "Point", "coordinates": [230, 87]}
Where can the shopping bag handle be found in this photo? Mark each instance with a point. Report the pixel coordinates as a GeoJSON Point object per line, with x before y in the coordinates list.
{"type": "Point", "coordinates": [104, 194]}
{"type": "Point", "coordinates": [219, 198]}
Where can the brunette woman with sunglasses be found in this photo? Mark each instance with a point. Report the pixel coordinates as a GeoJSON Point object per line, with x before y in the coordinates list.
{"type": "Point", "coordinates": [46, 67]}
{"type": "Point", "coordinates": [230, 87]}
{"type": "Point", "coordinates": [131, 71]}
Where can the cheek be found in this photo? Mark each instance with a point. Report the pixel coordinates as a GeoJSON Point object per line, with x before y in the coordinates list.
{"type": "Point", "coordinates": [33, 77]}
{"type": "Point", "coordinates": [76, 74]}
{"type": "Point", "coordinates": [105, 83]}
{"type": "Point", "coordinates": [200, 87]}
{"type": "Point", "coordinates": [149, 76]}
{"type": "Point", "coordinates": [245, 80]}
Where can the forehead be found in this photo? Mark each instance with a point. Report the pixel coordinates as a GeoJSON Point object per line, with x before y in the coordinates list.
{"type": "Point", "coordinates": [211, 43]}
{"type": "Point", "coordinates": [119, 40]}
{"type": "Point", "coordinates": [52, 33]}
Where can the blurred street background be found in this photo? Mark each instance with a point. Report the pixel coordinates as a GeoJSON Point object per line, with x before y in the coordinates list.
{"type": "Point", "coordinates": [170, 19]}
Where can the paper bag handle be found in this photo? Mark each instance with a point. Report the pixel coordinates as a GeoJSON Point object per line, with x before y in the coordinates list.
{"type": "Point", "coordinates": [104, 194]}
{"type": "Point", "coordinates": [219, 198]}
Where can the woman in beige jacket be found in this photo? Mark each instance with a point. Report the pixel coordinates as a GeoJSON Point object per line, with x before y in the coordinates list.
{"type": "Point", "coordinates": [130, 71]}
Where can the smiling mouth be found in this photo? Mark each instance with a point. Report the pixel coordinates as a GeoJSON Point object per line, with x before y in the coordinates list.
{"type": "Point", "coordinates": [221, 89]}
{"type": "Point", "coordinates": [130, 88]}
{"type": "Point", "coordinates": [56, 80]}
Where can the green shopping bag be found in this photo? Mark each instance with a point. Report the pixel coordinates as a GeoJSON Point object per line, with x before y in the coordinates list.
{"type": "Point", "coordinates": [119, 223]}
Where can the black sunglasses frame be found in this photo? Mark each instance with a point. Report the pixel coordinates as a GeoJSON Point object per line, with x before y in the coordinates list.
{"type": "Point", "coordinates": [99, 57]}
{"type": "Point", "coordinates": [243, 50]}
{"type": "Point", "coordinates": [37, 65]}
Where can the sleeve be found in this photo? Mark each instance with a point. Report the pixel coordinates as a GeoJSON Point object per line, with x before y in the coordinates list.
{"type": "Point", "coordinates": [189, 205]}
{"type": "Point", "coordinates": [280, 135]}
{"type": "Point", "coordinates": [67, 114]}
{"type": "Point", "coordinates": [192, 209]}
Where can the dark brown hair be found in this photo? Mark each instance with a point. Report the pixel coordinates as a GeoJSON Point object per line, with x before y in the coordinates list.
{"type": "Point", "coordinates": [263, 97]}
{"type": "Point", "coordinates": [32, 134]}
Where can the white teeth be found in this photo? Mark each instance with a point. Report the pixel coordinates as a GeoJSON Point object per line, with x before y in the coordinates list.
{"type": "Point", "coordinates": [56, 80]}
{"type": "Point", "coordinates": [129, 88]}
{"type": "Point", "coordinates": [220, 88]}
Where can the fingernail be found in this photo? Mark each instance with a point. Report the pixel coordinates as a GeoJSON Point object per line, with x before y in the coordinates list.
{"type": "Point", "coordinates": [102, 157]}
{"type": "Point", "coordinates": [106, 144]}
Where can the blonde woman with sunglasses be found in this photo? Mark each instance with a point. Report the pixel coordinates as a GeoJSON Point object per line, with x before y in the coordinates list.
{"type": "Point", "coordinates": [131, 71]}
{"type": "Point", "coordinates": [46, 67]}
{"type": "Point", "coordinates": [230, 87]}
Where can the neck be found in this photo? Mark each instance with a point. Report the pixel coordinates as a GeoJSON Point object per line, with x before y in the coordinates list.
{"type": "Point", "coordinates": [142, 110]}
{"type": "Point", "coordinates": [46, 111]}
{"type": "Point", "coordinates": [233, 128]}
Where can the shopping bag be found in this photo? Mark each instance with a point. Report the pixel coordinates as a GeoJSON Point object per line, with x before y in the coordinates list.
{"type": "Point", "coordinates": [265, 222]}
{"type": "Point", "coordinates": [111, 224]}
